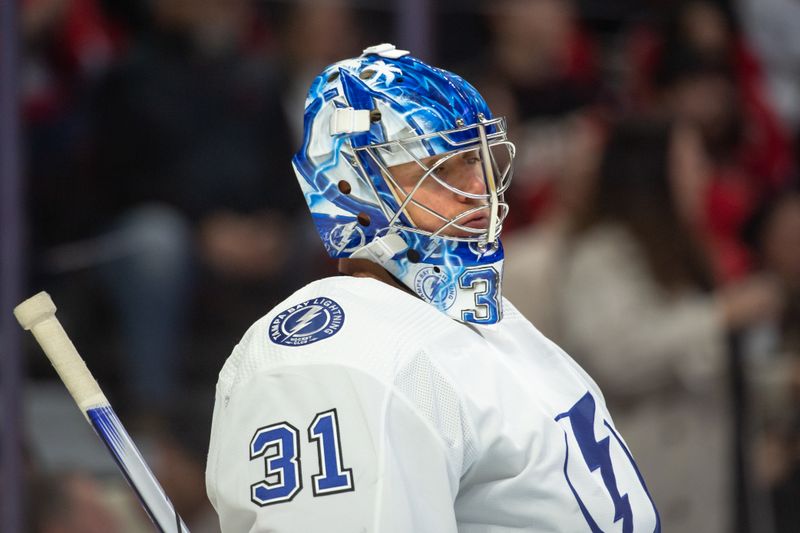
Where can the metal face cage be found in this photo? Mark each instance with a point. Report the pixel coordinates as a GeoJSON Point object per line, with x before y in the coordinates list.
{"type": "Point", "coordinates": [487, 139]}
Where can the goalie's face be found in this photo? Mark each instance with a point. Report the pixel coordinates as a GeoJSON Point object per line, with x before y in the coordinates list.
{"type": "Point", "coordinates": [462, 210]}
{"type": "Point", "coordinates": [447, 183]}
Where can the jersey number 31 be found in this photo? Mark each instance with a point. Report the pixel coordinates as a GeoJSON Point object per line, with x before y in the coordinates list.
{"type": "Point", "coordinates": [279, 445]}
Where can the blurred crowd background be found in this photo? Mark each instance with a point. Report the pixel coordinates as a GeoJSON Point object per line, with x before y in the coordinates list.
{"type": "Point", "coordinates": [654, 229]}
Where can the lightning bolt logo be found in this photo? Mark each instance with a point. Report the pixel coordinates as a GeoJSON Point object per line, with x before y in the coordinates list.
{"type": "Point", "coordinates": [597, 456]}
{"type": "Point", "coordinates": [306, 323]}
{"type": "Point", "coordinates": [311, 312]}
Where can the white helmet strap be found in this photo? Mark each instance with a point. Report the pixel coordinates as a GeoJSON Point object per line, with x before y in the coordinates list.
{"type": "Point", "coordinates": [382, 249]}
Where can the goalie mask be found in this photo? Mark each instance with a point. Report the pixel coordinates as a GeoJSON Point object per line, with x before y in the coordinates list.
{"type": "Point", "coordinates": [403, 164]}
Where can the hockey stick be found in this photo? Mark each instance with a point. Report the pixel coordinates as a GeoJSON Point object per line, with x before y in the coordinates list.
{"type": "Point", "coordinates": [38, 315]}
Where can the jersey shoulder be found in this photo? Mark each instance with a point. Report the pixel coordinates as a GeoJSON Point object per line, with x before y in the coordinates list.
{"type": "Point", "coordinates": [355, 322]}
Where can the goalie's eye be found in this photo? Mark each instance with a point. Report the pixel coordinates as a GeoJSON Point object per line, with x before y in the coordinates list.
{"type": "Point", "coordinates": [441, 168]}
{"type": "Point", "coordinates": [453, 167]}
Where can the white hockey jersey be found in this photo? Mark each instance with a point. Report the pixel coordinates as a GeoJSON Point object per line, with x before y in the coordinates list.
{"type": "Point", "coordinates": [355, 407]}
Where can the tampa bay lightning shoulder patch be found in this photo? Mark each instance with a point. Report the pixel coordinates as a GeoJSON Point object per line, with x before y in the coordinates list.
{"type": "Point", "coordinates": [306, 323]}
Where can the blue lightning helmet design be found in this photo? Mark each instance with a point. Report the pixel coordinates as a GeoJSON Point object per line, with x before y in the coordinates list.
{"type": "Point", "coordinates": [366, 115]}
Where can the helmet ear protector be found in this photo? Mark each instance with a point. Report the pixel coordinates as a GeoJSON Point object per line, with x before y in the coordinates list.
{"type": "Point", "coordinates": [369, 117]}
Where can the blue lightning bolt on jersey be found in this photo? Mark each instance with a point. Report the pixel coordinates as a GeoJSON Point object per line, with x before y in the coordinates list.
{"type": "Point", "coordinates": [404, 420]}
{"type": "Point", "coordinates": [307, 322]}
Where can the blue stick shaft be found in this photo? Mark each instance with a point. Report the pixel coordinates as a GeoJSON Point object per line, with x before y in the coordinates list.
{"type": "Point", "coordinates": [138, 475]}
